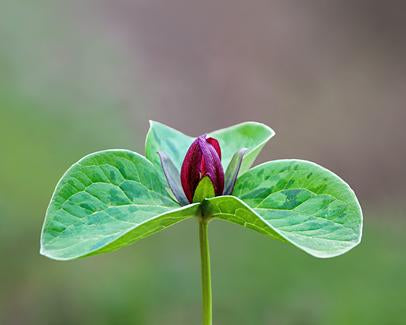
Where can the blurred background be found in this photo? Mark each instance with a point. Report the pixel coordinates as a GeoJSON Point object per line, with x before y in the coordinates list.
{"type": "Point", "coordinates": [81, 76]}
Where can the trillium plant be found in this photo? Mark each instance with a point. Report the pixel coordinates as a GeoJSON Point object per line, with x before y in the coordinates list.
{"type": "Point", "coordinates": [110, 199]}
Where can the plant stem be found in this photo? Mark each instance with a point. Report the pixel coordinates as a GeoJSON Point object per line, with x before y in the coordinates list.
{"type": "Point", "coordinates": [205, 269]}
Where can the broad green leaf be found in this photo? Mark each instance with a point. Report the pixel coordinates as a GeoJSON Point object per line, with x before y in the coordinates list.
{"type": "Point", "coordinates": [107, 200]}
{"type": "Point", "coordinates": [297, 201]}
{"type": "Point", "coordinates": [162, 138]}
{"type": "Point", "coordinates": [250, 135]}
{"type": "Point", "coordinates": [204, 190]}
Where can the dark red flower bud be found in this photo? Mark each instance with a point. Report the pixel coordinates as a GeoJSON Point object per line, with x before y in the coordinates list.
{"type": "Point", "coordinates": [203, 158]}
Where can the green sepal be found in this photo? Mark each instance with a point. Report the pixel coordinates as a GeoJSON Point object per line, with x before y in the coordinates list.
{"type": "Point", "coordinates": [204, 190]}
{"type": "Point", "coordinates": [233, 171]}
{"type": "Point", "coordinates": [173, 178]}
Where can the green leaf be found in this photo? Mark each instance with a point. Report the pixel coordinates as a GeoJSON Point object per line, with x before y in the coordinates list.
{"type": "Point", "coordinates": [204, 190]}
{"type": "Point", "coordinates": [250, 135]}
{"type": "Point", "coordinates": [162, 138]}
{"type": "Point", "coordinates": [107, 200]}
{"type": "Point", "coordinates": [296, 201]}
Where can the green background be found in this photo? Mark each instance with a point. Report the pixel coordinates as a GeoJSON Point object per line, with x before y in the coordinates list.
{"type": "Point", "coordinates": [82, 76]}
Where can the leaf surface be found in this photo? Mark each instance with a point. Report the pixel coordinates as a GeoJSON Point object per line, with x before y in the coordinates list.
{"type": "Point", "coordinates": [107, 200]}
{"type": "Point", "coordinates": [295, 201]}
{"type": "Point", "coordinates": [250, 135]}
{"type": "Point", "coordinates": [162, 138]}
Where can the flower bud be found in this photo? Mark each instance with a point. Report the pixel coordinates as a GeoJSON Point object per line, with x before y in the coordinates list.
{"type": "Point", "coordinates": [203, 158]}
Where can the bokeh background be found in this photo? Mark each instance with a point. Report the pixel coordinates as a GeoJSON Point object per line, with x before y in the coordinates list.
{"type": "Point", "coordinates": [80, 76]}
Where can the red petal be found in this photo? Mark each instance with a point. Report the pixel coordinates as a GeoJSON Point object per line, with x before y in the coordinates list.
{"type": "Point", "coordinates": [219, 182]}
{"type": "Point", "coordinates": [216, 145]}
{"type": "Point", "coordinates": [213, 167]}
{"type": "Point", "coordinates": [190, 171]}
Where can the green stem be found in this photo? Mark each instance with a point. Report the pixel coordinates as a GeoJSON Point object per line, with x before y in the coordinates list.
{"type": "Point", "coordinates": [206, 276]}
